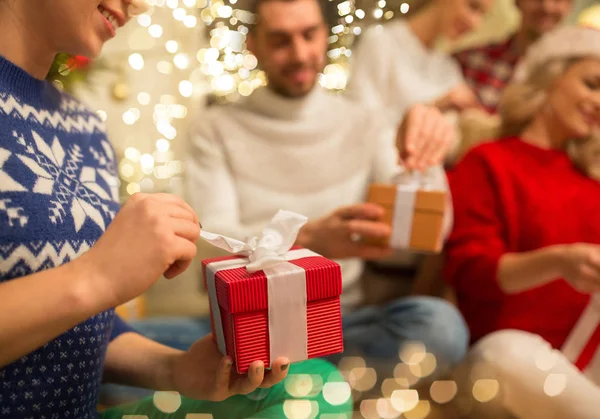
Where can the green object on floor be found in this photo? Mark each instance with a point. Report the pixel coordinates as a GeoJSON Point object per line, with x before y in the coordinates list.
{"type": "Point", "coordinates": [314, 386]}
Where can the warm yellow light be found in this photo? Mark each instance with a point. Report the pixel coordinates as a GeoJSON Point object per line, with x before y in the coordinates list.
{"type": "Point", "coordinates": [172, 46]}
{"type": "Point", "coordinates": [144, 20]}
{"type": "Point", "coordinates": [181, 61]}
{"type": "Point", "coordinates": [179, 14]}
{"type": "Point", "coordinates": [155, 31]}
{"type": "Point", "coordinates": [186, 88]}
{"type": "Point", "coordinates": [485, 390]}
{"type": "Point", "coordinates": [136, 61]}
{"type": "Point", "coordinates": [163, 145]}
{"type": "Point", "coordinates": [590, 17]}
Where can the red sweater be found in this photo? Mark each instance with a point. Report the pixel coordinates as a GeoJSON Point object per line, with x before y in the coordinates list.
{"type": "Point", "coordinates": [510, 196]}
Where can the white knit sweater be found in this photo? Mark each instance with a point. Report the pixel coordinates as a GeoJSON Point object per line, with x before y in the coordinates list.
{"type": "Point", "coordinates": [393, 70]}
{"type": "Point", "coordinates": [310, 155]}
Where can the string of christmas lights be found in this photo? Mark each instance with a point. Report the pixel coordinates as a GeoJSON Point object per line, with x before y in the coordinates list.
{"type": "Point", "coordinates": [223, 69]}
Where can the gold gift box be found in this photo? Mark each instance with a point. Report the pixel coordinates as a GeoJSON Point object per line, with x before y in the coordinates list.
{"type": "Point", "coordinates": [428, 217]}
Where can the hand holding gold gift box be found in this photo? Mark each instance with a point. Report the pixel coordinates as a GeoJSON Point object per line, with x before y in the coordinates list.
{"type": "Point", "coordinates": [415, 213]}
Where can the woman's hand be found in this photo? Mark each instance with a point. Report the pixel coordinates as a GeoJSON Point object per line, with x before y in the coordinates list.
{"type": "Point", "coordinates": [203, 373]}
{"type": "Point", "coordinates": [152, 235]}
{"type": "Point", "coordinates": [424, 138]}
{"type": "Point", "coordinates": [580, 266]}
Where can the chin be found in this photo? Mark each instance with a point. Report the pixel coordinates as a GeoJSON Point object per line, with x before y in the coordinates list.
{"type": "Point", "coordinates": [594, 172]}
{"type": "Point", "coordinates": [581, 132]}
{"type": "Point", "coordinates": [299, 91]}
{"type": "Point", "coordinates": [91, 48]}
{"type": "Point", "coordinates": [93, 52]}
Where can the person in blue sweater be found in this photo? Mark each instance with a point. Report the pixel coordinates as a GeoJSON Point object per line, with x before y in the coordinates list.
{"type": "Point", "coordinates": [69, 254]}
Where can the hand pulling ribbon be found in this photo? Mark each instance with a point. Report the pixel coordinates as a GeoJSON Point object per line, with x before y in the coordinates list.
{"type": "Point", "coordinates": [286, 282]}
{"type": "Point", "coordinates": [581, 347]}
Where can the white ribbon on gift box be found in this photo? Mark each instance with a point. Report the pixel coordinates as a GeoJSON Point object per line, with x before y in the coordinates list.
{"type": "Point", "coordinates": [404, 209]}
{"type": "Point", "coordinates": [585, 327]}
{"type": "Point", "coordinates": [408, 183]}
{"type": "Point", "coordinates": [286, 282]}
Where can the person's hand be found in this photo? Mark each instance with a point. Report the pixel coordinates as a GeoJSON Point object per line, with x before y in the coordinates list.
{"type": "Point", "coordinates": [338, 235]}
{"type": "Point", "coordinates": [460, 98]}
{"type": "Point", "coordinates": [424, 138]}
{"type": "Point", "coordinates": [152, 235]}
{"type": "Point", "coordinates": [580, 266]}
{"type": "Point", "coordinates": [203, 373]}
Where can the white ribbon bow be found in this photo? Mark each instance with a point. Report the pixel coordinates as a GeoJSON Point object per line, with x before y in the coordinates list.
{"type": "Point", "coordinates": [270, 248]}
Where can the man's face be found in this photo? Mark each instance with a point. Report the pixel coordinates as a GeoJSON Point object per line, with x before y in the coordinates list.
{"type": "Point", "coordinates": [541, 16]}
{"type": "Point", "coordinates": [290, 42]}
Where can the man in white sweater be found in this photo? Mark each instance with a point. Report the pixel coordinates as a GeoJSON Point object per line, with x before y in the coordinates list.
{"type": "Point", "coordinates": [294, 146]}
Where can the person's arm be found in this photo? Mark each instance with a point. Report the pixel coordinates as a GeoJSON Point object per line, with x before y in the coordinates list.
{"type": "Point", "coordinates": [518, 272]}
{"type": "Point", "coordinates": [134, 360]}
{"type": "Point", "coordinates": [479, 264]}
{"type": "Point", "coordinates": [210, 188]}
{"type": "Point", "coordinates": [37, 308]}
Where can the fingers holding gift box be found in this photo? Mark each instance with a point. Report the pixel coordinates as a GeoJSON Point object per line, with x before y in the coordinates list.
{"type": "Point", "coordinates": [270, 301]}
{"type": "Point", "coordinates": [416, 214]}
{"type": "Point", "coordinates": [339, 235]}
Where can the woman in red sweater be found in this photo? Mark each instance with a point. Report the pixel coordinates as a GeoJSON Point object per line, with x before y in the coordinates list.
{"type": "Point", "coordinates": [524, 256]}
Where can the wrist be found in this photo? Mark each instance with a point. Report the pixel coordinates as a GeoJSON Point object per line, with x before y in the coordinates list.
{"type": "Point", "coordinates": [557, 259]}
{"type": "Point", "coordinates": [166, 371]}
{"type": "Point", "coordinates": [93, 285]}
{"type": "Point", "coordinates": [442, 103]}
{"type": "Point", "coordinates": [304, 238]}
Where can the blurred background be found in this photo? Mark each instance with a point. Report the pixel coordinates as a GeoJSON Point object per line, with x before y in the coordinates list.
{"type": "Point", "coordinates": [165, 68]}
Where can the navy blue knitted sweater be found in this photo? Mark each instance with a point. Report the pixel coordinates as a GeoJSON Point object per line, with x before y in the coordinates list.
{"type": "Point", "coordinates": [58, 193]}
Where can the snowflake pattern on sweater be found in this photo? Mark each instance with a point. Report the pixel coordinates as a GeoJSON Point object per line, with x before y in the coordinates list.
{"type": "Point", "coordinates": [58, 194]}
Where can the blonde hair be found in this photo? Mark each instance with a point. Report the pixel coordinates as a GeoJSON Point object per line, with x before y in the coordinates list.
{"type": "Point", "coordinates": [521, 101]}
{"type": "Point", "coordinates": [519, 104]}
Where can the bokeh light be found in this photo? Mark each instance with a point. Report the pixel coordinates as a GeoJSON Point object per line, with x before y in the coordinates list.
{"type": "Point", "coordinates": [485, 390]}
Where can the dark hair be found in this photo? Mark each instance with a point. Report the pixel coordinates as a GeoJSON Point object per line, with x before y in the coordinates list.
{"type": "Point", "coordinates": [254, 8]}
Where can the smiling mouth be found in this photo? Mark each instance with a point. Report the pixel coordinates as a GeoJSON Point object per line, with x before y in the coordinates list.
{"type": "Point", "coordinates": [112, 19]}
{"type": "Point", "coordinates": [590, 119]}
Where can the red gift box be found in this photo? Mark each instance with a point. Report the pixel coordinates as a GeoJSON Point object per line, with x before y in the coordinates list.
{"type": "Point", "coordinates": [243, 303]}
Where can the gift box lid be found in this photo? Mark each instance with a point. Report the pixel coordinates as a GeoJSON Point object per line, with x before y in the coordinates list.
{"type": "Point", "coordinates": [240, 291]}
{"type": "Point", "coordinates": [426, 200]}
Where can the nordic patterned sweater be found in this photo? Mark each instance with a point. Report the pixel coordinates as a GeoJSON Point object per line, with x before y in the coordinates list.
{"type": "Point", "coordinates": [58, 193]}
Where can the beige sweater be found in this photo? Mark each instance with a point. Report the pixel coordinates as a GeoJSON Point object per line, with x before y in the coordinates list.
{"type": "Point", "coordinates": [393, 70]}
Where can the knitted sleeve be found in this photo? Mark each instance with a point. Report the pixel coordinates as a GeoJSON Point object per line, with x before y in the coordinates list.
{"type": "Point", "coordinates": [477, 241]}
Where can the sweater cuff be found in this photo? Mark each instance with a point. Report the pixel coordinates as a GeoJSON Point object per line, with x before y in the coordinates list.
{"type": "Point", "coordinates": [119, 327]}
